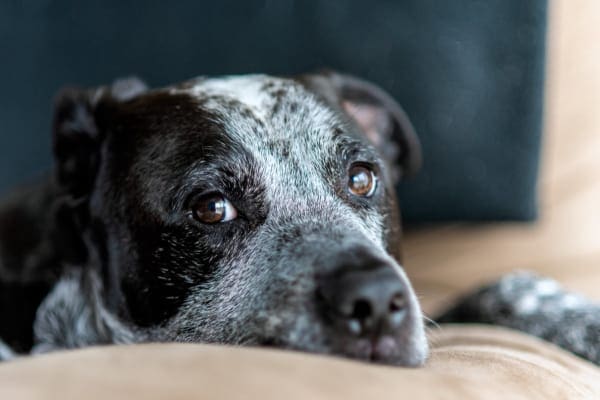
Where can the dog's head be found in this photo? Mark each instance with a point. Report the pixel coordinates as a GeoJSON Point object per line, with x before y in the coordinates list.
{"type": "Point", "coordinates": [246, 210]}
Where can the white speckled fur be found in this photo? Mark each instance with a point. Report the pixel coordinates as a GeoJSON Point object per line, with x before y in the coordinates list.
{"type": "Point", "coordinates": [73, 315]}
{"type": "Point", "coordinates": [283, 180]}
{"type": "Point", "coordinates": [291, 135]}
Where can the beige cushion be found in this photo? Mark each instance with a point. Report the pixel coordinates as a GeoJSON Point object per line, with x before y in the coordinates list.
{"type": "Point", "coordinates": [474, 362]}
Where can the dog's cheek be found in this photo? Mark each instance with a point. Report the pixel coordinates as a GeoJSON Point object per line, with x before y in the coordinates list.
{"type": "Point", "coordinates": [392, 231]}
{"type": "Point", "coordinates": [218, 304]}
{"type": "Point", "coordinates": [170, 263]}
{"type": "Point", "coordinates": [250, 301]}
{"type": "Point", "coordinates": [281, 306]}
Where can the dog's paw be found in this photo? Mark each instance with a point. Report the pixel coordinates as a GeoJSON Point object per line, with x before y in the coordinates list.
{"type": "Point", "coordinates": [538, 306]}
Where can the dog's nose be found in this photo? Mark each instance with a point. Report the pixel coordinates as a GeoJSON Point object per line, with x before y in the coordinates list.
{"type": "Point", "coordinates": [369, 301]}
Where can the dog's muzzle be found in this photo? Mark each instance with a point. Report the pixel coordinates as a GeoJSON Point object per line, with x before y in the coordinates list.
{"type": "Point", "coordinates": [368, 305]}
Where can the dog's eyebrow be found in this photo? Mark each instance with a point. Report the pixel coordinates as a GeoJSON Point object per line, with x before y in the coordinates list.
{"type": "Point", "coordinates": [349, 148]}
{"type": "Point", "coordinates": [236, 176]}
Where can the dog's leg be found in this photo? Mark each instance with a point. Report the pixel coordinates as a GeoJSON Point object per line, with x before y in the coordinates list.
{"type": "Point", "coordinates": [73, 315]}
{"type": "Point", "coordinates": [538, 306]}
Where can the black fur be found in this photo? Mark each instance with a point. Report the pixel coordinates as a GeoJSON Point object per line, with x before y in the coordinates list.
{"type": "Point", "coordinates": [112, 235]}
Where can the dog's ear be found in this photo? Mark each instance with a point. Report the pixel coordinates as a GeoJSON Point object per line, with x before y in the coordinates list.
{"type": "Point", "coordinates": [376, 113]}
{"type": "Point", "coordinates": [76, 133]}
{"type": "Point", "coordinates": [77, 141]}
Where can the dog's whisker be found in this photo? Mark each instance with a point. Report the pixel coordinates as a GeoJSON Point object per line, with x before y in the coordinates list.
{"type": "Point", "coordinates": [431, 322]}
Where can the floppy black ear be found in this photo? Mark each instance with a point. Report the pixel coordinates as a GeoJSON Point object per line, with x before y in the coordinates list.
{"type": "Point", "coordinates": [77, 137]}
{"type": "Point", "coordinates": [76, 134]}
{"type": "Point", "coordinates": [76, 140]}
{"type": "Point", "coordinates": [376, 113]}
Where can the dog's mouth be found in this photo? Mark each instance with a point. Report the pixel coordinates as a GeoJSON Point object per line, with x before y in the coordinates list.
{"type": "Point", "coordinates": [378, 350]}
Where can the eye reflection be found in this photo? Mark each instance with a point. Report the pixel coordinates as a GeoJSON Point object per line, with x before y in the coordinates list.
{"type": "Point", "coordinates": [362, 181]}
{"type": "Point", "coordinates": [213, 209]}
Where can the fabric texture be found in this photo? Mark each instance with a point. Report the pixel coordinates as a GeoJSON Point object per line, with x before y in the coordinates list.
{"type": "Point", "coordinates": [468, 72]}
{"type": "Point", "coordinates": [466, 363]}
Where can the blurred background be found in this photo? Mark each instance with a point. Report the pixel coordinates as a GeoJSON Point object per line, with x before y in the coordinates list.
{"type": "Point", "coordinates": [469, 73]}
{"type": "Point", "coordinates": [564, 243]}
{"type": "Point", "coordinates": [490, 85]}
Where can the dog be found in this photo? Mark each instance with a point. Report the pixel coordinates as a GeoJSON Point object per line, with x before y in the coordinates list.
{"type": "Point", "coordinates": [245, 210]}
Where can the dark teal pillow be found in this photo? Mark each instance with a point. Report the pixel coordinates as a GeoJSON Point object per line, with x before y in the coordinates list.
{"type": "Point", "coordinates": [468, 72]}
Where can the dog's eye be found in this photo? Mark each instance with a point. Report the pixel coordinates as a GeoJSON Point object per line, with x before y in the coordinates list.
{"type": "Point", "coordinates": [362, 180]}
{"type": "Point", "coordinates": [214, 208]}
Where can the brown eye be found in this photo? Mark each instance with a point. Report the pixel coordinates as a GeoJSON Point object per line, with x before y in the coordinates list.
{"type": "Point", "coordinates": [362, 181]}
{"type": "Point", "coordinates": [213, 209]}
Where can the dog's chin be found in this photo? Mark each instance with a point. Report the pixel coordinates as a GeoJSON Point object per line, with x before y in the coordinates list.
{"type": "Point", "coordinates": [385, 350]}
{"type": "Point", "coordinates": [382, 350]}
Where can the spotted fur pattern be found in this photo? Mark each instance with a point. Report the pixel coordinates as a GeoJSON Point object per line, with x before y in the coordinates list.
{"type": "Point", "coordinates": [538, 306]}
{"type": "Point", "coordinates": [131, 162]}
{"type": "Point", "coordinates": [73, 315]}
{"type": "Point", "coordinates": [117, 258]}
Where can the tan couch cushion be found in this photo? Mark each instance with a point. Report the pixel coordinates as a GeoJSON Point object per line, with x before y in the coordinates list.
{"type": "Point", "coordinates": [473, 362]}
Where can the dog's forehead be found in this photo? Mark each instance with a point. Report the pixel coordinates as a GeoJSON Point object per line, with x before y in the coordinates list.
{"type": "Point", "coordinates": [296, 140]}
{"type": "Point", "coordinates": [259, 93]}
{"type": "Point", "coordinates": [277, 120]}
{"type": "Point", "coordinates": [264, 139]}
{"type": "Point", "coordinates": [280, 107]}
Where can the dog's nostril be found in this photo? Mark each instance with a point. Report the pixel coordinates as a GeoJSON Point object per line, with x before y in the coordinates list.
{"type": "Point", "coordinates": [362, 310]}
{"type": "Point", "coordinates": [397, 310]}
{"type": "Point", "coordinates": [397, 303]}
{"type": "Point", "coordinates": [370, 301]}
